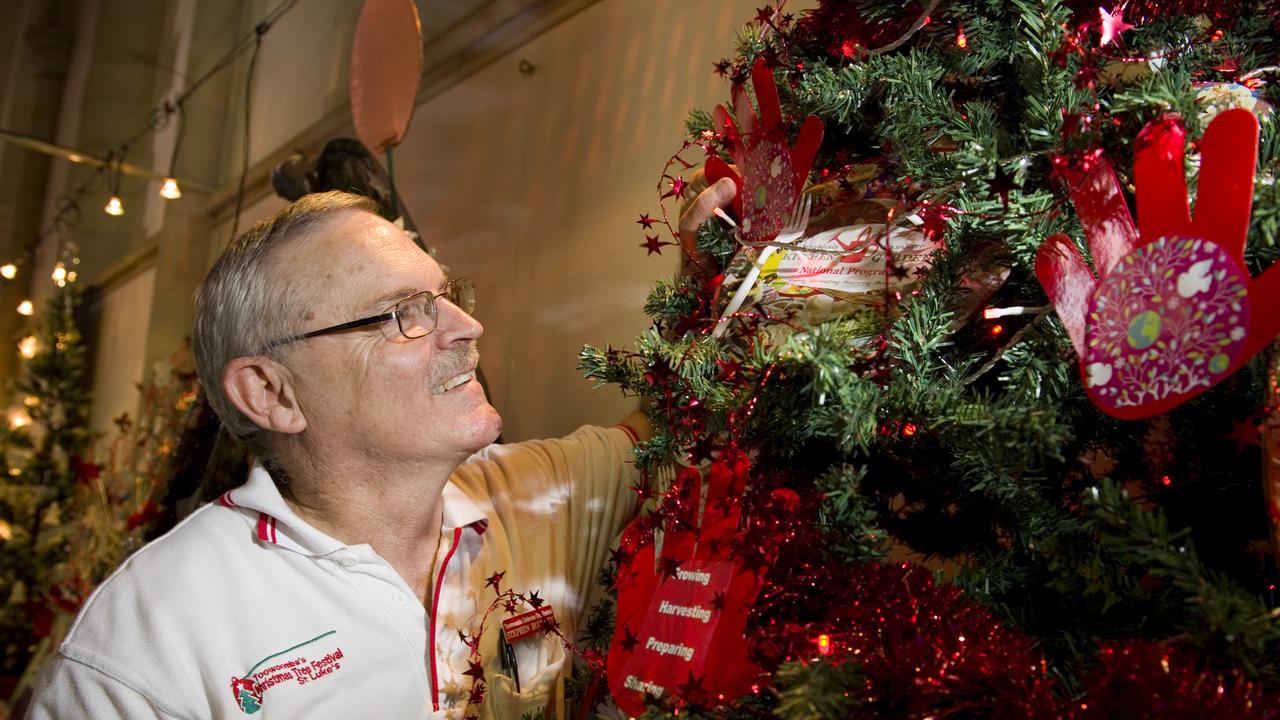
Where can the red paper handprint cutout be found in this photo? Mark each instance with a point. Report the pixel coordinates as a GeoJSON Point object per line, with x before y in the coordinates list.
{"type": "Point", "coordinates": [1172, 311]}
{"type": "Point", "coordinates": [681, 615]}
{"type": "Point", "coordinates": [770, 174]}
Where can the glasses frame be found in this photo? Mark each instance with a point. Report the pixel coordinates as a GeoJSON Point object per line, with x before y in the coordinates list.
{"type": "Point", "coordinates": [392, 314]}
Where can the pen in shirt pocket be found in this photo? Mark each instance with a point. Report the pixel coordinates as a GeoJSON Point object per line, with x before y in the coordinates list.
{"type": "Point", "coordinates": [507, 658]}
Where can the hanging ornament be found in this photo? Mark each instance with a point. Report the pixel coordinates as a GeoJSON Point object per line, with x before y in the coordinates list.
{"type": "Point", "coordinates": [1167, 316]}
{"type": "Point", "coordinates": [770, 173]}
{"type": "Point", "coordinates": [386, 70]}
{"type": "Point", "coordinates": [682, 611]}
{"type": "Point", "coordinates": [1112, 26]}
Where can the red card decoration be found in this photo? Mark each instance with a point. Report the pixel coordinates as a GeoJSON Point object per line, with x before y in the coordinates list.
{"type": "Point", "coordinates": [386, 70]}
{"type": "Point", "coordinates": [1168, 314]}
{"type": "Point", "coordinates": [772, 172]}
{"type": "Point", "coordinates": [681, 614]}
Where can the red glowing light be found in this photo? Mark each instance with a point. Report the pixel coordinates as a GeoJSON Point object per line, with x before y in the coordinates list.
{"type": "Point", "coordinates": [909, 429]}
{"type": "Point", "coordinates": [824, 645]}
{"type": "Point", "coordinates": [962, 42]}
{"type": "Point", "coordinates": [997, 329]}
{"type": "Point", "coordinates": [1217, 35]}
{"type": "Point", "coordinates": [1166, 481]}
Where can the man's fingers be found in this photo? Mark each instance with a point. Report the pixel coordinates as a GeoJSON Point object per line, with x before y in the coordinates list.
{"type": "Point", "coordinates": [702, 208]}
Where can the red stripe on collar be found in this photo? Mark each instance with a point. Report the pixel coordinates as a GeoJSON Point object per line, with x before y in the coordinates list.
{"type": "Point", "coordinates": [225, 500]}
{"type": "Point", "coordinates": [266, 528]}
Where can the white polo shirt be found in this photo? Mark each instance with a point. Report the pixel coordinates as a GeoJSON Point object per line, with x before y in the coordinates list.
{"type": "Point", "coordinates": [244, 610]}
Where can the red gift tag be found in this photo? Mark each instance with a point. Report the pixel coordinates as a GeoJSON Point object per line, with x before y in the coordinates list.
{"type": "Point", "coordinates": [680, 633]}
{"type": "Point", "coordinates": [676, 633]}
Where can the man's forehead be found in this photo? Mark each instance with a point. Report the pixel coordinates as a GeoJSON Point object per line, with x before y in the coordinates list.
{"type": "Point", "coordinates": [362, 257]}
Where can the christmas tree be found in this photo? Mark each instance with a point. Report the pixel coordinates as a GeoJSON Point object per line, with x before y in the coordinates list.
{"type": "Point", "coordinates": [945, 510]}
{"type": "Point", "coordinates": [67, 522]}
{"type": "Point", "coordinates": [44, 442]}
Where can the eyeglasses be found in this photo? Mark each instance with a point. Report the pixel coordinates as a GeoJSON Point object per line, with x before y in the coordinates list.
{"type": "Point", "coordinates": [411, 318]}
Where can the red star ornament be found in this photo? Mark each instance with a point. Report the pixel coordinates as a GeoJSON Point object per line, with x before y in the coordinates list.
{"type": "Point", "coordinates": [628, 641]}
{"type": "Point", "coordinates": [1245, 432]}
{"type": "Point", "coordinates": [653, 245]}
{"type": "Point", "coordinates": [494, 579]}
{"type": "Point", "coordinates": [1112, 26]}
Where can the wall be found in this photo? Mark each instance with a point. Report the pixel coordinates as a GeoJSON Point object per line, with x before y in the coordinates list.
{"type": "Point", "coordinates": [117, 361]}
{"type": "Point", "coordinates": [531, 184]}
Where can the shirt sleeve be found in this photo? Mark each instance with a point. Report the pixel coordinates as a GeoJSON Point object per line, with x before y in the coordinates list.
{"type": "Point", "coordinates": [580, 486]}
{"type": "Point", "coordinates": [70, 689]}
{"type": "Point", "coordinates": [603, 477]}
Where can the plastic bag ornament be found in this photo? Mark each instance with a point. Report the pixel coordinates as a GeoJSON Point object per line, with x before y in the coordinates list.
{"type": "Point", "coordinates": [770, 174]}
{"type": "Point", "coordinates": [1172, 310]}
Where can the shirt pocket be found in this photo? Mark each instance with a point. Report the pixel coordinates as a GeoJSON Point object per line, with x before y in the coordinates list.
{"type": "Point", "coordinates": [540, 663]}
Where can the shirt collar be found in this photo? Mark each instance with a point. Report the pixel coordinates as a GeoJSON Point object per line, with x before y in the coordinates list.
{"type": "Point", "coordinates": [277, 524]}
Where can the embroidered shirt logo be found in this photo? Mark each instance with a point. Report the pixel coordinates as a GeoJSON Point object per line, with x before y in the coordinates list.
{"type": "Point", "coordinates": [250, 690]}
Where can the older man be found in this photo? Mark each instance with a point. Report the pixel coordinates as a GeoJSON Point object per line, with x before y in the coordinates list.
{"type": "Point", "coordinates": [354, 572]}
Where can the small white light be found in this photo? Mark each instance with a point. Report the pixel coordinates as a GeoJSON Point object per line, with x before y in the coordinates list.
{"type": "Point", "coordinates": [26, 308]}
{"type": "Point", "coordinates": [9, 271]}
{"type": "Point", "coordinates": [27, 346]}
{"type": "Point", "coordinates": [170, 189]}
{"type": "Point", "coordinates": [114, 206]}
{"type": "Point", "coordinates": [59, 274]}
{"type": "Point", "coordinates": [19, 419]}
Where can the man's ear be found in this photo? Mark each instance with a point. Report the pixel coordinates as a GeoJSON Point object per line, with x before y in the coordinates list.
{"type": "Point", "coordinates": [262, 389]}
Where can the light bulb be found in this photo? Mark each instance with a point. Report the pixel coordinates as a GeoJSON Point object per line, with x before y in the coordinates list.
{"type": "Point", "coordinates": [9, 271]}
{"type": "Point", "coordinates": [170, 189]}
{"type": "Point", "coordinates": [19, 419]}
{"type": "Point", "coordinates": [59, 274]}
{"type": "Point", "coordinates": [27, 346]}
{"type": "Point", "coordinates": [26, 308]}
{"type": "Point", "coordinates": [6, 531]}
{"type": "Point", "coordinates": [114, 206]}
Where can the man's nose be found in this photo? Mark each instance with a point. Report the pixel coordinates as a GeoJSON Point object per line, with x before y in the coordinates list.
{"type": "Point", "coordinates": [452, 324]}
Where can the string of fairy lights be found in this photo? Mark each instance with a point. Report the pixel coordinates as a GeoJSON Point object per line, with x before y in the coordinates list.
{"type": "Point", "coordinates": [110, 172]}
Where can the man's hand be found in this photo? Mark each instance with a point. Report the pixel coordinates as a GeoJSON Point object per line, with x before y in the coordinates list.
{"type": "Point", "coordinates": [705, 200]}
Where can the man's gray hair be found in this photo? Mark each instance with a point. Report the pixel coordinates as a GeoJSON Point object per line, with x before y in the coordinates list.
{"type": "Point", "coordinates": [244, 304]}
